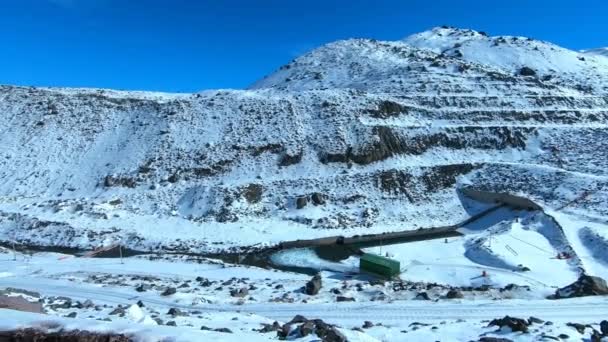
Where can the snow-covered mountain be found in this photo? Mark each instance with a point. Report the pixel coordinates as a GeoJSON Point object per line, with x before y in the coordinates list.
{"type": "Point", "coordinates": [357, 136]}
{"type": "Point", "coordinates": [444, 61]}
{"type": "Point", "coordinates": [599, 52]}
{"type": "Point", "coordinates": [354, 138]}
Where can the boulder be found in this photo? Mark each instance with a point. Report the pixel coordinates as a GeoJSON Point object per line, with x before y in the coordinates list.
{"type": "Point", "coordinates": [175, 312]}
{"type": "Point", "coordinates": [88, 304]}
{"type": "Point", "coordinates": [344, 299]}
{"type": "Point", "coordinates": [169, 291]}
{"type": "Point", "coordinates": [119, 310]}
{"type": "Point", "coordinates": [327, 332]}
{"type": "Point", "coordinates": [454, 294]}
{"type": "Point", "coordinates": [306, 329]}
{"type": "Point", "coordinates": [526, 71]}
{"type": "Point", "coordinates": [585, 285]}
{"type": "Point", "coordinates": [579, 327]}
{"type": "Point", "coordinates": [422, 296]}
{"type": "Point", "coordinates": [288, 159]}
{"type": "Point", "coordinates": [239, 293]}
{"type": "Point", "coordinates": [515, 324]}
{"type": "Point", "coordinates": [535, 320]}
{"type": "Point", "coordinates": [604, 327]}
{"type": "Point", "coordinates": [317, 198]}
{"type": "Point", "coordinates": [142, 288]}
{"type": "Point", "coordinates": [266, 328]}
{"type": "Point", "coordinates": [301, 202]}
{"type": "Point", "coordinates": [596, 336]}
{"type": "Point", "coordinates": [298, 319]}
{"type": "Point", "coordinates": [313, 286]}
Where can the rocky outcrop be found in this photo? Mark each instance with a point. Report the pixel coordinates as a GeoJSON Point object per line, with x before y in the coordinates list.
{"type": "Point", "coordinates": [585, 285]}
{"type": "Point", "coordinates": [35, 335]}
{"type": "Point", "coordinates": [513, 323]}
{"type": "Point", "coordinates": [300, 326]}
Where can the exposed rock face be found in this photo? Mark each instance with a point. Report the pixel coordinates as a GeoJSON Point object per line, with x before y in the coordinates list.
{"type": "Point", "coordinates": [585, 286]}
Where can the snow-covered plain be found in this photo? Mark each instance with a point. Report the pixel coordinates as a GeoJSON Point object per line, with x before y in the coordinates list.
{"type": "Point", "coordinates": [355, 137]}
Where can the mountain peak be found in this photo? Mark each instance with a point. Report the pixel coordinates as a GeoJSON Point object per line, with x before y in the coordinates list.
{"type": "Point", "coordinates": [421, 62]}
{"type": "Point", "coordinates": [441, 38]}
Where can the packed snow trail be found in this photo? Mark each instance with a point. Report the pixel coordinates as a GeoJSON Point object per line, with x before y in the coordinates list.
{"type": "Point", "coordinates": [591, 308]}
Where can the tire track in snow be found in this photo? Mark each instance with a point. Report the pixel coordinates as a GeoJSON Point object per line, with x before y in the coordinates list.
{"type": "Point", "coordinates": [341, 313]}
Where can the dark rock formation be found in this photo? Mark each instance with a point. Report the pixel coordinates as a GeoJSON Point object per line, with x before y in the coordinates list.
{"type": "Point", "coordinates": [35, 335]}
{"type": "Point", "coordinates": [313, 286]}
{"type": "Point", "coordinates": [515, 324]}
{"type": "Point", "coordinates": [585, 286]}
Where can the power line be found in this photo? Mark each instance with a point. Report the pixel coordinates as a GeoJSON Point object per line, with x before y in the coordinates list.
{"type": "Point", "coordinates": [527, 243]}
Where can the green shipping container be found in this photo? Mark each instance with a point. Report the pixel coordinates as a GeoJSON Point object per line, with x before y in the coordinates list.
{"type": "Point", "coordinates": [379, 265]}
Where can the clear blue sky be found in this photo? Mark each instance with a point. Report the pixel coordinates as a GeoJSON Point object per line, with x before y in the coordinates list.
{"type": "Point", "coordinates": [183, 46]}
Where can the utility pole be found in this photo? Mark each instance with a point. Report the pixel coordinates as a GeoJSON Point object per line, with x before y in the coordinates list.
{"type": "Point", "coordinates": [120, 252]}
{"type": "Point", "coordinates": [14, 251]}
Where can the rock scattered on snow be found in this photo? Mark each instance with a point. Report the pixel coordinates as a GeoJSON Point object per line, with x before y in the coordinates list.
{"type": "Point", "coordinates": [454, 294]}
{"type": "Point", "coordinates": [313, 286]}
{"type": "Point", "coordinates": [239, 293]}
{"type": "Point", "coordinates": [515, 324]}
{"type": "Point", "coordinates": [169, 291]}
{"type": "Point", "coordinates": [326, 332]}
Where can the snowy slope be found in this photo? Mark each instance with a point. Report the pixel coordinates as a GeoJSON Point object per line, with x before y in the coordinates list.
{"type": "Point", "coordinates": [599, 52]}
{"type": "Point", "coordinates": [509, 53]}
{"type": "Point", "coordinates": [380, 134]}
{"type": "Point", "coordinates": [444, 60]}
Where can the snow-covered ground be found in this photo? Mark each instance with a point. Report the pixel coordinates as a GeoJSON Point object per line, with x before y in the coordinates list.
{"type": "Point", "coordinates": [105, 284]}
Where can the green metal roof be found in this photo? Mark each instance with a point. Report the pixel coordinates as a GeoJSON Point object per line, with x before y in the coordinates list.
{"type": "Point", "coordinates": [379, 264]}
{"type": "Point", "coordinates": [377, 259]}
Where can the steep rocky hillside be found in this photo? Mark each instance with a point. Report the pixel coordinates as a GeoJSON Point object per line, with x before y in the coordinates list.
{"type": "Point", "coordinates": [355, 137]}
